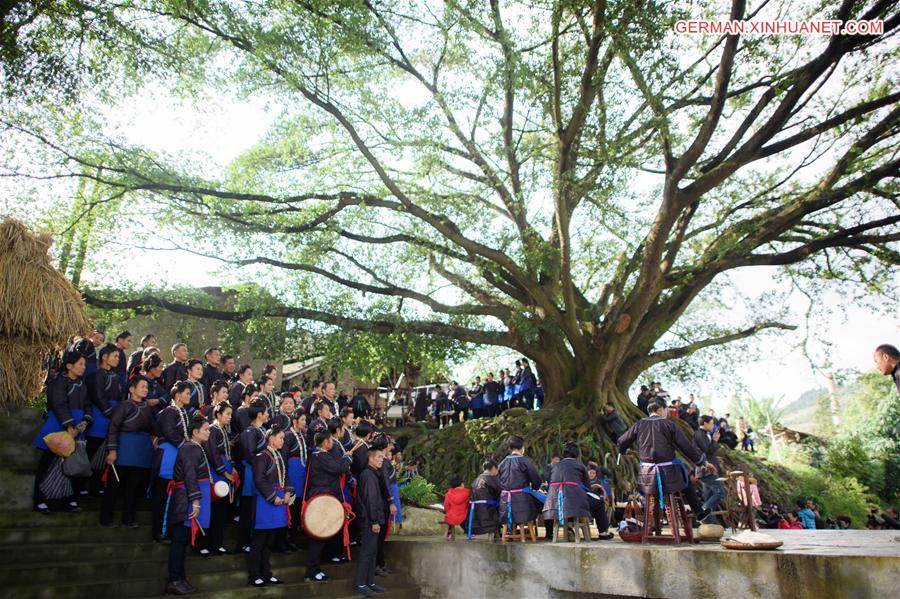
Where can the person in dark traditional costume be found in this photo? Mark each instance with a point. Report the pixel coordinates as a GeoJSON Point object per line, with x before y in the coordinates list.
{"type": "Point", "coordinates": [67, 410]}
{"type": "Point", "coordinates": [483, 515]}
{"type": "Point", "coordinates": [105, 391]}
{"type": "Point", "coordinates": [295, 453]}
{"type": "Point", "coordinates": [123, 344]}
{"type": "Point", "coordinates": [273, 494]}
{"type": "Point", "coordinates": [567, 496]}
{"type": "Point", "coordinates": [172, 425]}
{"type": "Point", "coordinates": [189, 509]}
{"type": "Point", "coordinates": [252, 441]}
{"type": "Point", "coordinates": [157, 395]}
{"type": "Point", "coordinates": [240, 419]}
{"type": "Point", "coordinates": [389, 488]}
{"type": "Point", "coordinates": [194, 372]}
{"type": "Point", "coordinates": [130, 451]}
{"type": "Point", "coordinates": [218, 452]}
{"type": "Point", "coordinates": [519, 482]}
{"type": "Point", "coordinates": [326, 474]}
{"type": "Point", "coordinates": [285, 409]}
{"type": "Point", "coordinates": [267, 396]}
{"type": "Point", "coordinates": [662, 472]}
{"type": "Point", "coordinates": [371, 513]}
{"type": "Point", "coordinates": [244, 379]}
{"type": "Point", "coordinates": [319, 418]}
{"type": "Point", "coordinates": [211, 372]}
{"type": "Point", "coordinates": [137, 356]}
{"type": "Point", "coordinates": [176, 370]}
{"type": "Point", "coordinates": [218, 394]}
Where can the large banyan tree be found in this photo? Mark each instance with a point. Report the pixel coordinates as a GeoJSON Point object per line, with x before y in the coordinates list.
{"type": "Point", "coordinates": [561, 178]}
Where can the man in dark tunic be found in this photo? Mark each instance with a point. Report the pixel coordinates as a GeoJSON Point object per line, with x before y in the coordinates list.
{"type": "Point", "coordinates": [614, 424]}
{"type": "Point", "coordinates": [325, 472]}
{"type": "Point", "coordinates": [518, 479]}
{"type": "Point", "coordinates": [176, 370]}
{"type": "Point", "coordinates": [887, 360]}
{"type": "Point", "coordinates": [211, 372]}
{"type": "Point", "coordinates": [371, 512]}
{"type": "Point", "coordinates": [570, 477]}
{"type": "Point", "coordinates": [483, 514]}
{"type": "Point", "coordinates": [657, 439]}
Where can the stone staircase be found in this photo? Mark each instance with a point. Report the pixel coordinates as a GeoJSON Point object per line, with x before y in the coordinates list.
{"type": "Point", "coordinates": [67, 555]}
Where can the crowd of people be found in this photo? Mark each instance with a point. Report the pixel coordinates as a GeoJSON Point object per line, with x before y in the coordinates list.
{"type": "Point", "coordinates": [485, 398]}
{"type": "Point", "coordinates": [214, 447]}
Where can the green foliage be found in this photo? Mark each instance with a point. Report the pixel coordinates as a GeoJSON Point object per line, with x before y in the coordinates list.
{"type": "Point", "coordinates": [848, 457]}
{"type": "Point", "coordinates": [264, 337]}
{"type": "Point", "coordinates": [759, 412]}
{"type": "Point", "coordinates": [419, 490]}
{"type": "Point", "coordinates": [835, 495]}
{"type": "Point", "coordinates": [372, 356]}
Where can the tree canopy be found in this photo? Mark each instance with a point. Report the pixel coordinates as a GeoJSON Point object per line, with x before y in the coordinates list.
{"type": "Point", "coordinates": [562, 178]}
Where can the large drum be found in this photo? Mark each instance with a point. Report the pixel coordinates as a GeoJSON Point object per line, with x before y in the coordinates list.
{"type": "Point", "coordinates": [323, 517]}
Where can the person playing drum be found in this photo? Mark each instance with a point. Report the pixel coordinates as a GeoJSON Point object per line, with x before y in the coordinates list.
{"type": "Point", "coordinates": [326, 473]}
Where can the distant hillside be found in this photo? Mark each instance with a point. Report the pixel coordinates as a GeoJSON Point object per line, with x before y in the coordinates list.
{"type": "Point", "coordinates": [800, 413]}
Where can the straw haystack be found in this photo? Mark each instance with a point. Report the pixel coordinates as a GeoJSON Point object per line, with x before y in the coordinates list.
{"type": "Point", "coordinates": [39, 311]}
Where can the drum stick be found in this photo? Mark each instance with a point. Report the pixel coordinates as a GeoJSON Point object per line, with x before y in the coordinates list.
{"type": "Point", "coordinates": [113, 466]}
{"type": "Point", "coordinates": [618, 459]}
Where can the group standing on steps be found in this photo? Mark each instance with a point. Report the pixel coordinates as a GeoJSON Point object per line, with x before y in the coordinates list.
{"type": "Point", "coordinates": [212, 452]}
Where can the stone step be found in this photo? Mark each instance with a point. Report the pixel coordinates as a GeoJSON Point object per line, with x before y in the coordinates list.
{"type": "Point", "coordinates": [67, 534]}
{"type": "Point", "coordinates": [88, 517]}
{"type": "Point", "coordinates": [154, 564]}
{"type": "Point", "coordinates": [292, 590]}
{"type": "Point", "coordinates": [63, 551]}
{"type": "Point", "coordinates": [211, 583]}
{"type": "Point", "coordinates": [22, 428]}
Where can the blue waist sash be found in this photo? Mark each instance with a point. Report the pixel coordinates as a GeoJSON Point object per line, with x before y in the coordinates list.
{"type": "Point", "coordinates": [657, 467]}
{"type": "Point", "coordinates": [249, 489]}
{"type": "Point", "coordinates": [395, 493]}
{"type": "Point", "coordinates": [296, 471]}
{"type": "Point", "coordinates": [135, 449]}
{"type": "Point", "coordinates": [508, 496]}
{"type": "Point", "coordinates": [167, 465]}
{"type": "Point", "coordinates": [100, 426]}
{"type": "Point", "coordinates": [52, 425]}
{"type": "Point", "coordinates": [269, 515]}
{"type": "Point", "coordinates": [472, 512]}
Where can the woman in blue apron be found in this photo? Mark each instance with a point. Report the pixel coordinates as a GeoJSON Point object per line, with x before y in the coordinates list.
{"type": "Point", "coordinates": [252, 440]}
{"type": "Point", "coordinates": [189, 503]}
{"type": "Point", "coordinates": [295, 454]}
{"type": "Point", "coordinates": [104, 393]}
{"type": "Point", "coordinates": [130, 454]}
{"type": "Point", "coordinates": [66, 404]}
{"type": "Point", "coordinates": [273, 494]}
{"type": "Point", "coordinates": [218, 449]}
{"type": "Point", "coordinates": [172, 425]}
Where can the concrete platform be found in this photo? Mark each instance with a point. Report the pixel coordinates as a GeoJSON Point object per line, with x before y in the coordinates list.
{"type": "Point", "coordinates": [811, 564]}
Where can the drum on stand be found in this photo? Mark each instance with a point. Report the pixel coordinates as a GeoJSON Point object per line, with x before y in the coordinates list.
{"type": "Point", "coordinates": [323, 517]}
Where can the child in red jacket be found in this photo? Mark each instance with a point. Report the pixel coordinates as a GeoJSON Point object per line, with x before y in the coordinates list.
{"type": "Point", "coordinates": [456, 505]}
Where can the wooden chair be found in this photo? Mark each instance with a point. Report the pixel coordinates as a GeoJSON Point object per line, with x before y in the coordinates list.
{"type": "Point", "coordinates": [571, 529]}
{"type": "Point", "coordinates": [651, 530]}
{"type": "Point", "coordinates": [519, 532]}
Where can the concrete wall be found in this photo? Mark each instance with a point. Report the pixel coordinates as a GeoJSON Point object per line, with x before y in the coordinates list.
{"type": "Point", "coordinates": [616, 569]}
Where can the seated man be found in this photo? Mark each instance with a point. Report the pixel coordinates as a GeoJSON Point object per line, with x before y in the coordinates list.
{"type": "Point", "coordinates": [661, 471]}
{"type": "Point", "coordinates": [569, 492]}
{"type": "Point", "coordinates": [483, 515]}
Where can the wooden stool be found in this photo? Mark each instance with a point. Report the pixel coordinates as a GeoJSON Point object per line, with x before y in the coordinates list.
{"type": "Point", "coordinates": [573, 525]}
{"type": "Point", "coordinates": [651, 531]}
{"type": "Point", "coordinates": [520, 531]}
